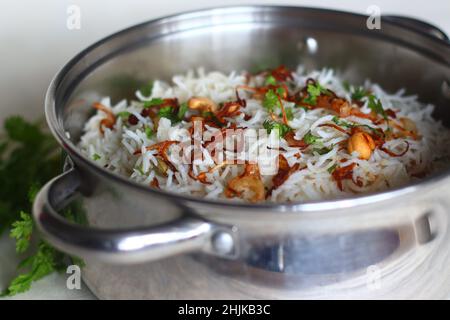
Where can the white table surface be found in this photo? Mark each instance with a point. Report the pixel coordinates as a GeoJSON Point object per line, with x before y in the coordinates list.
{"type": "Point", "coordinates": [36, 43]}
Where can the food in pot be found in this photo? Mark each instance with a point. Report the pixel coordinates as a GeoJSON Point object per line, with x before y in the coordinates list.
{"type": "Point", "coordinates": [328, 139]}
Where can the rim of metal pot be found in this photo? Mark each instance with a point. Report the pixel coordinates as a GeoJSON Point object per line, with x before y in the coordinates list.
{"type": "Point", "coordinates": [327, 205]}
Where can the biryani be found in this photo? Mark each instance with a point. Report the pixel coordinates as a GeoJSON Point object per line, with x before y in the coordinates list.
{"type": "Point", "coordinates": [324, 137]}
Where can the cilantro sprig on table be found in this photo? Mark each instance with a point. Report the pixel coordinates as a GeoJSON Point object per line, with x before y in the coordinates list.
{"type": "Point", "coordinates": [29, 157]}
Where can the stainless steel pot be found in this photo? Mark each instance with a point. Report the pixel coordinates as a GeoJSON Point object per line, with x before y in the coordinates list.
{"type": "Point", "coordinates": [145, 243]}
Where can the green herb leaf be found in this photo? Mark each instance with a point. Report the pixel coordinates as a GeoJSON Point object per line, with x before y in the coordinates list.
{"type": "Point", "coordinates": [332, 168]}
{"type": "Point", "coordinates": [309, 138]}
{"type": "Point", "coordinates": [147, 89]}
{"type": "Point", "coordinates": [167, 112]}
{"type": "Point", "coordinates": [21, 231]}
{"type": "Point", "coordinates": [182, 110]}
{"type": "Point", "coordinates": [21, 131]}
{"type": "Point", "coordinates": [123, 114]}
{"type": "Point", "coordinates": [359, 93]}
{"type": "Point", "coordinates": [270, 101]}
{"type": "Point", "coordinates": [33, 158]}
{"type": "Point", "coordinates": [346, 86]}
{"type": "Point", "coordinates": [345, 124]}
{"type": "Point", "coordinates": [342, 123]}
{"type": "Point", "coordinates": [41, 264]}
{"type": "Point", "coordinates": [281, 128]}
{"type": "Point", "coordinates": [149, 132]}
{"type": "Point", "coordinates": [289, 114]}
{"type": "Point", "coordinates": [281, 91]}
{"type": "Point", "coordinates": [314, 91]}
{"type": "Point", "coordinates": [96, 157]}
{"type": "Point", "coordinates": [270, 80]}
{"type": "Point", "coordinates": [323, 150]}
{"type": "Point", "coordinates": [376, 106]}
{"type": "Point", "coordinates": [153, 102]}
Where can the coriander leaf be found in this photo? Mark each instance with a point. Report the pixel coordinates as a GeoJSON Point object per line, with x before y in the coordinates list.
{"type": "Point", "coordinates": [289, 114]}
{"type": "Point", "coordinates": [375, 105]}
{"type": "Point", "coordinates": [270, 101]}
{"type": "Point", "coordinates": [281, 91]}
{"type": "Point", "coordinates": [342, 123]}
{"type": "Point", "coordinates": [167, 112]}
{"type": "Point", "coordinates": [147, 89]}
{"type": "Point", "coordinates": [345, 124]}
{"type": "Point", "coordinates": [309, 138]}
{"type": "Point", "coordinates": [21, 231]}
{"type": "Point", "coordinates": [46, 259]}
{"type": "Point", "coordinates": [270, 80]}
{"type": "Point", "coordinates": [123, 114]}
{"type": "Point", "coordinates": [182, 110]}
{"type": "Point", "coordinates": [33, 158]}
{"type": "Point", "coordinates": [323, 150]}
{"type": "Point", "coordinates": [346, 86]}
{"type": "Point", "coordinates": [314, 91]}
{"type": "Point", "coordinates": [332, 168]}
{"type": "Point", "coordinates": [21, 131]}
{"type": "Point", "coordinates": [281, 128]}
{"type": "Point", "coordinates": [96, 157]}
{"type": "Point", "coordinates": [42, 264]}
{"type": "Point", "coordinates": [153, 102]}
{"type": "Point", "coordinates": [149, 132]}
{"type": "Point", "coordinates": [359, 93]}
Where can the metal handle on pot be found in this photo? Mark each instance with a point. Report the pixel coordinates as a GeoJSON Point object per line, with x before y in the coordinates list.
{"type": "Point", "coordinates": [418, 25]}
{"type": "Point", "coordinates": [187, 234]}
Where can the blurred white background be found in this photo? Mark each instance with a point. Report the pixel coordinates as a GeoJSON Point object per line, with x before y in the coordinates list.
{"type": "Point", "coordinates": [35, 43]}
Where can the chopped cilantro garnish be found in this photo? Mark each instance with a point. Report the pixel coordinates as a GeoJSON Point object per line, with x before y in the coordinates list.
{"type": "Point", "coordinates": [123, 114]}
{"type": "Point", "coordinates": [182, 110]}
{"type": "Point", "coordinates": [342, 123]}
{"type": "Point", "coordinates": [281, 128]}
{"type": "Point", "coordinates": [166, 112]}
{"type": "Point", "coordinates": [281, 91]}
{"type": "Point", "coordinates": [309, 138]}
{"type": "Point", "coordinates": [376, 106]}
{"type": "Point", "coordinates": [345, 124]}
{"type": "Point", "coordinates": [171, 113]}
{"type": "Point", "coordinates": [146, 90]}
{"type": "Point", "coordinates": [323, 150]}
{"type": "Point", "coordinates": [359, 93]}
{"type": "Point", "coordinates": [332, 168]}
{"type": "Point", "coordinates": [270, 80]}
{"type": "Point", "coordinates": [270, 101]}
{"type": "Point", "coordinates": [153, 102]}
{"type": "Point", "coordinates": [346, 86]}
{"type": "Point", "coordinates": [289, 114]}
{"type": "Point", "coordinates": [149, 132]}
{"type": "Point", "coordinates": [140, 170]}
{"type": "Point", "coordinates": [96, 157]}
{"type": "Point", "coordinates": [314, 91]}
